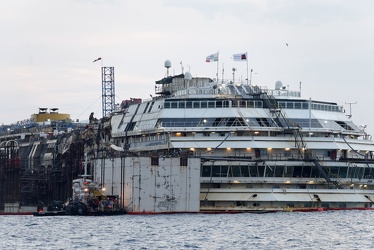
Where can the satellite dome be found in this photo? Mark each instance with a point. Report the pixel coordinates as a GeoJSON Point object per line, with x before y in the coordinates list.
{"type": "Point", "coordinates": [278, 85]}
{"type": "Point", "coordinates": [187, 76]}
{"type": "Point", "coordinates": [167, 64]}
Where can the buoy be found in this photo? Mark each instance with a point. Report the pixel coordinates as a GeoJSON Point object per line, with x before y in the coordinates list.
{"type": "Point", "coordinates": [320, 209]}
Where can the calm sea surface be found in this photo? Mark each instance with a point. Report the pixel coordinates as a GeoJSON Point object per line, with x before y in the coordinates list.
{"type": "Point", "coordinates": [296, 230]}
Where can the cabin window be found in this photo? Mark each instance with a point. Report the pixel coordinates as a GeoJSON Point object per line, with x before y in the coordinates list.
{"type": "Point", "coordinates": [166, 105]}
{"type": "Point", "coordinates": [206, 203]}
{"type": "Point", "coordinates": [326, 205]}
{"type": "Point", "coordinates": [286, 153]}
{"type": "Point", "coordinates": [150, 108]}
{"type": "Point", "coordinates": [146, 107]}
{"type": "Point", "coordinates": [174, 105]}
{"type": "Point", "coordinates": [189, 104]}
{"type": "Point", "coordinates": [306, 171]}
{"type": "Point", "coordinates": [263, 152]}
{"type": "Point", "coordinates": [241, 203]}
{"type": "Point", "coordinates": [245, 171]}
{"type": "Point", "coordinates": [154, 161]}
{"type": "Point", "coordinates": [279, 171]}
{"type": "Point", "coordinates": [297, 171]}
{"type": "Point", "coordinates": [258, 104]}
{"type": "Point", "coordinates": [368, 173]}
{"type": "Point", "coordinates": [261, 170]}
{"type": "Point", "coordinates": [344, 125]}
{"type": "Point", "coordinates": [234, 171]}
{"type": "Point", "coordinates": [309, 204]}
{"type": "Point", "coordinates": [184, 161]}
{"type": "Point", "coordinates": [206, 171]}
{"type": "Point", "coordinates": [216, 171]}
{"type": "Point", "coordinates": [289, 105]}
{"type": "Point", "coordinates": [342, 205]}
{"type": "Point", "coordinates": [315, 173]}
{"type": "Point", "coordinates": [253, 171]}
{"type": "Point", "coordinates": [224, 170]}
{"type": "Point", "coordinates": [269, 171]}
{"type": "Point", "coordinates": [334, 171]}
{"type": "Point", "coordinates": [356, 172]}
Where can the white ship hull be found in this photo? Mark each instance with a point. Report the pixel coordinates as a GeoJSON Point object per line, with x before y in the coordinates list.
{"type": "Point", "coordinates": [216, 147]}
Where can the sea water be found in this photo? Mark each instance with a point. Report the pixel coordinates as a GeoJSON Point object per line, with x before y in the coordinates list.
{"type": "Point", "coordinates": [293, 230]}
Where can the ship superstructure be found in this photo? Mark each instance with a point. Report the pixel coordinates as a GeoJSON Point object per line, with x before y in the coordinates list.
{"type": "Point", "coordinates": [246, 147]}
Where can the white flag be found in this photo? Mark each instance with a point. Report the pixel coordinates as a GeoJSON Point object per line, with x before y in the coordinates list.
{"type": "Point", "coordinates": [240, 57]}
{"type": "Point", "coordinates": [212, 58]}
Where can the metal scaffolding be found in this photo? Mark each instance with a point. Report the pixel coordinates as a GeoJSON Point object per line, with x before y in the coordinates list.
{"type": "Point", "coordinates": [108, 93]}
{"type": "Point", "coordinates": [9, 172]}
{"type": "Point", "coordinates": [27, 177]}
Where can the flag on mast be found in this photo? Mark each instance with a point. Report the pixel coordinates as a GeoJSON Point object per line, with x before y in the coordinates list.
{"type": "Point", "coordinates": [212, 58]}
{"type": "Point", "coordinates": [240, 57]}
{"type": "Point", "coordinates": [98, 59]}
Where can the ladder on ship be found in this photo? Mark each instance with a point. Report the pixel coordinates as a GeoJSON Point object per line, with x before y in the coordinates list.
{"type": "Point", "coordinates": [294, 129]}
{"type": "Point", "coordinates": [325, 172]}
{"type": "Point", "coordinates": [282, 121]}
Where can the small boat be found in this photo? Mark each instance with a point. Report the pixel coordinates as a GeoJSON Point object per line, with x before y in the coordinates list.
{"type": "Point", "coordinates": [87, 199]}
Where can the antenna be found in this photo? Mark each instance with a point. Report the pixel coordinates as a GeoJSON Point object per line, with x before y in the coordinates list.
{"type": "Point", "coordinates": [182, 67]}
{"type": "Point", "coordinates": [223, 72]}
{"type": "Point", "coordinates": [167, 65]}
{"type": "Point", "coordinates": [250, 79]}
{"type": "Point", "coordinates": [233, 74]}
{"type": "Point", "coordinates": [350, 108]}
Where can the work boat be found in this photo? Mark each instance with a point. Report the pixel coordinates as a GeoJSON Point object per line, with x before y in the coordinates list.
{"type": "Point", "coordinates": [87, 199]}
{"type": "Point", "coordinates": [201, 145]}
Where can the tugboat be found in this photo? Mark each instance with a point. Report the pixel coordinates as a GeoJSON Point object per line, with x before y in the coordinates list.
{"type": "Point", "coordinates": [87, 199]}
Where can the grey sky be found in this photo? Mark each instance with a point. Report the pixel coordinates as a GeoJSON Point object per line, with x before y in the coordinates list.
{"type": "Point", "coordinates": [47, 48]}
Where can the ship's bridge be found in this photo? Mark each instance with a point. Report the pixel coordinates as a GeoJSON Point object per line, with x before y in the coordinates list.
{"type": "Point", "coordinates": [180, 85]}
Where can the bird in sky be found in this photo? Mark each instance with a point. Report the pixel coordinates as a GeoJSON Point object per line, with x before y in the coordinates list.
{"type": "Point", "coordinates": [286, 44]}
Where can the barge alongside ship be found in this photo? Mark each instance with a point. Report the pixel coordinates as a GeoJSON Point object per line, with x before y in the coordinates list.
{"type": "Point", "coordinates": [201, 145]}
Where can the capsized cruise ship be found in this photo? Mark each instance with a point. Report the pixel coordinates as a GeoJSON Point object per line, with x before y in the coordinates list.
{"type": "Point", "coordinates": [202, 145]}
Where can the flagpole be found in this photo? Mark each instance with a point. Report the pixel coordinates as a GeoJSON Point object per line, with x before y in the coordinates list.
{"type": "Point", "coordinates": [223, 72]}
{"type": "Point", "coordinates": [246, 58]}
{"type": "Point", "coordinates": [217, 64]}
